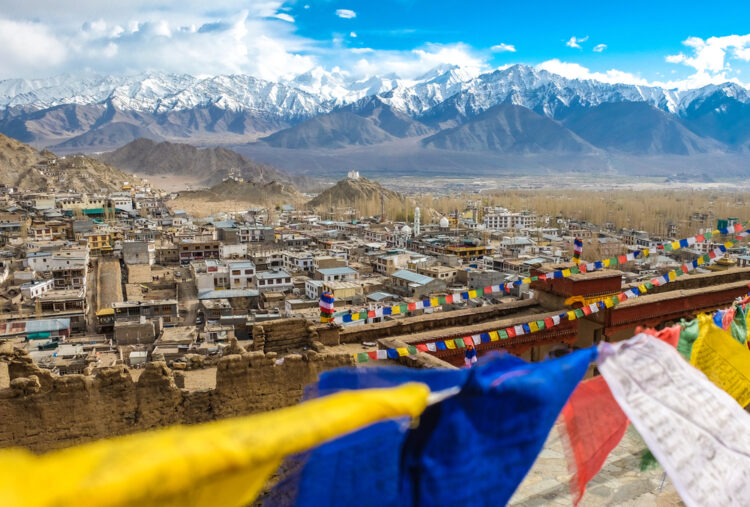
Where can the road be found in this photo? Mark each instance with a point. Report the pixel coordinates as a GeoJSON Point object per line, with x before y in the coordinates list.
{"type": "Point", "coordinates": [103, 287]}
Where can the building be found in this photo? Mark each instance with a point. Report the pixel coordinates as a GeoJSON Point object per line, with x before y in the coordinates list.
{"type": "Point", "coordinates": [276, 280]}
{"type": "Point", "coordinates": [342, 274]}
{"type": "Point", "coordinates": [68, 267]}
{"type": "Point", "coordinates": [502, 219]}
{"type": "Point", "coordinates": [55, 329]}
{"type": "Point", "coordinates": [33, 290]}
{"type": "Point", "coordinates": [197, 250]}
{"type": "Point", "coordinates": [241, 274]}
{"type": "Point", "coordinates": [139, 252]}
{"type": "Point", "coordinates": [469, 252]}
{"type": "Point", "coordinates": [411, 284]}
{"type": "Point", "coordinates": [298, 261]}
{"type": "Point", "coordinates": [134, 311]}
{"type": "Point", "coordinates": [390, 263]}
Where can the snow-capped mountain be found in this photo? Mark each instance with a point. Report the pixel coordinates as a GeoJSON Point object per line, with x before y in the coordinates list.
{"type": "Point", "coordinates": [332, 110]}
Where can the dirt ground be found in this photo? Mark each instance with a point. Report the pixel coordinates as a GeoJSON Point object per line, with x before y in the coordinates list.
{"type": "Point", "coordinates": [204, 208]}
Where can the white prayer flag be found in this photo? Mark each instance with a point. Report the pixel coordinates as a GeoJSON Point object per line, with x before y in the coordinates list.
{"type": "Point", "coordinates": [696, 431]}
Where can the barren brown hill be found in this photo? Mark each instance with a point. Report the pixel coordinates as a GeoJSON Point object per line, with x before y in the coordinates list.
{"type": "Point", "coordinates": [232, 195]}
{"type": "Point", "coordinates": [362, 194]}
{"type": "Point", "coordinates": [212, 165]}
{"type": "Point", "coordinates": [24, 167]}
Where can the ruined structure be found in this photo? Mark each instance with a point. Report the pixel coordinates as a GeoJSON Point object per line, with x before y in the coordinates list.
{"type": "Point", "coordinates": [42, 411]}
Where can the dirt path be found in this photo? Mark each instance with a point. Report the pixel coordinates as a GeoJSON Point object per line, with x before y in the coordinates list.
{"type": "Point", "coordinates": [109, 282]}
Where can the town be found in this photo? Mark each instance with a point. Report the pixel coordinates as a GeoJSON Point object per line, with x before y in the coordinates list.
{"type": "Point", "coordinates": [92, 280]}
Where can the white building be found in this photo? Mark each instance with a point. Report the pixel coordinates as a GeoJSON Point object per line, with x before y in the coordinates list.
{"type": "Point", "coordinates": [276, 280]}
{"type": "Point", "coordinates": [313, 289]}
{"type": "Point", "coordinates": [33, 290]}
{"type": "Point", "coordinates": [241, 274]}
{"type": "Point", "coordinates": [502, 219]}
{"type": "Point", "coordinates": [298, 261]}
{"type": "Point", "coordinates": [342, 274]}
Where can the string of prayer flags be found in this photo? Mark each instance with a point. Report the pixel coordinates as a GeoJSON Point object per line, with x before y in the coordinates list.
{"type": "Point", "coordinates": [326, 307]}
{"type": "Point", "coordinates": [577, 250]}
{"type": "Point", "coordinates": [592, 426]}
{"type": "Point", "coordinates": [696, 431]}
{"type": "Point", "coordinates": [562, 273]}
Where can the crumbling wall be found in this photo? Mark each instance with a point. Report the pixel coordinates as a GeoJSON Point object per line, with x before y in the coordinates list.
{"type": "Point", "coordinates": [283, 335]}
{"type": "Point", "coordinates": [42, 411]}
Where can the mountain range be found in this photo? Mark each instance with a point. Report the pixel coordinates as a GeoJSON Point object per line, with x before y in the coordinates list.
{"type": "Point", "coordinates": [518, 117]}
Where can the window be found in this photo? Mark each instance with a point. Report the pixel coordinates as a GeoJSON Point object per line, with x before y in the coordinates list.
{"type": "Point", "coordinates": [236, 271]}
{"type": "Point", "coordinates": [248, 271]}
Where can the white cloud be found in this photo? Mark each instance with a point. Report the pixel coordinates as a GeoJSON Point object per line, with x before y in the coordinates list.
{"type": "Point", "coordinates": [353, 35]}
{"type": "Point", "coordinates": [502, 47]}
{"type": "Point", "coordinates": [576, 71]}
{"type": "Point", "coordinates": [411, 64]}
{"type": "Point", "coordinates": [575, 42]}
{"type": "Point", "coordinates": [346, 13]}
{"type": "Point", "coordinates": [711, 59]}
{"type": "Point", "coordinates": [284, 17]}
{"type": "Point", "coordinates": [599, 48]}
{"type": "Point", "coordinates": [29, 49]}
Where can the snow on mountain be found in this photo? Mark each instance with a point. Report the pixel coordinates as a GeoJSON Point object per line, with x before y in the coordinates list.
{"type": "Point", "coordinates": [319, 91]}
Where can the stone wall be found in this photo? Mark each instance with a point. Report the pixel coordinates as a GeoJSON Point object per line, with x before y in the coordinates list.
{"type": "Point", "coordinates": [42, 411]}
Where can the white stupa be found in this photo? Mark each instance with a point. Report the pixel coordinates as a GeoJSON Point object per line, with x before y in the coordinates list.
{"type": "Point", "coordinates": [444, 223]}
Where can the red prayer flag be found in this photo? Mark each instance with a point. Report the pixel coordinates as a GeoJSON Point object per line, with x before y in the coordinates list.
{"type": "Point", "coordinates": [671, 335]}
{"type": "Point", "coordinates": [594, 424]}
{"type": "Point", "coordinates": [373, 354]}
{"type": "Point", "coordinates": [712, 254]}
{"type": "Point", "coordinates": [542, 277]}
{"type": "Point", "coordinates": [371, 314]}
{"type": "Point", "coordinates": [586, 310]}
{"type": "Point", "coordinates": [412, 306]}
{"type": "Point", "coordinates": [422, 347]}
{"type": "Point", "coordinates": [622, 259]}
{"type": "Point", "coordinates": [548, 322]}
{"type": "Point", "coordinates": [700, 238]}
{"type": "Point", "coordinates": [449, 299]}
{"type": "Point", "coordinates": [511, 332]}
{"type": "Point", "coordinates": [622, 297]}
{"type": "Point", "coordinates": [488, 290]}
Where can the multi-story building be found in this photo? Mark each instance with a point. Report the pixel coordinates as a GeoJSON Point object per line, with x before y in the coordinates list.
{"type": "Point", "coordinates": [298, 261]}
{"type": "Point", "coordinates": [133, 311]}
{"type": "Point", "coordinates": [198, 250]}
{"type": "Point", "coordinates": [502, 219]}
{"type": "Point", "coordinates": [342, 274]}
{"type": "Point", "coordinates": [67, 267]}
{"type": "Point", "coordinates": [139, 252]}
{"type": "Point", "coordinates": [241, 274]}
{"type": "Point", "coordinates": [48, 230]}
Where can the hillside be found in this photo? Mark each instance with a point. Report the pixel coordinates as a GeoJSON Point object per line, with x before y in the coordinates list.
{"type": "Point", "coordinates": [24, 167]}
{"type": "Point", "coordinates": [230, 195]}
{"type": "Point", "coordinates": [507, 128]}
{"type": "Point", "coordinates": [361, 193]}
{"type": "Point", "coordinates": [637, 128]}
{"type": "Point", "coordinates": [210, 165]}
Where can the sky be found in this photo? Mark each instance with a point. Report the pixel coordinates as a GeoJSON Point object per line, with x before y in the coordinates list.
{"type": "Point", "coordinates": [670, 44]}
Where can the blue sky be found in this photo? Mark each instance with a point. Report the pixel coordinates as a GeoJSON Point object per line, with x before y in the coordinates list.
{"type": "Point", "coordinates": [683, 44]}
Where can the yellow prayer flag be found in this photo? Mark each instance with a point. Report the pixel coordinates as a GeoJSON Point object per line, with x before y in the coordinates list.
{"type": "Point", "coordinates": [605, 263]}
{"type": "Point", "coordinates": [355, 316]}
{"type": "Point", "coordinates": [729, 244]}
{"type": "Point", "coordinates": [434, 302]}
{"type": "Point", "coordinates": [565, 273]}
{"type": "Point", "coordinates": [526, 281]}
{"type": "Point", "coordinates": [493, 336]}
{"type": "Point", "coordinates": [724, 360]}
{"type": "Point", "coordinates": [700, 260]}
{"type": "Point", "coordinates": [642, 288]}
{"type": "Point", "coordinates": [608, 303]}
{"type": "Point", "coordinates": [472, 294]}
{"type": "Point", "coordinates": [450, 344]}
{"type": "Point", "coordinates": [402, 351]}
{"type": "Point", "coordinates": [571, 315]}
{"type": "Point", "coordinates": [395, 309]}
{"type": "Point", "coordinates": [645, 252]}
{"type": "Point", "coordinates": [533, 326]}
{"type": "Point", "coordinates": [672, 275]}
{"type": "Point", "coordinates": [218, 463]}
{"type": "Point", "coordinates": [675, 245]}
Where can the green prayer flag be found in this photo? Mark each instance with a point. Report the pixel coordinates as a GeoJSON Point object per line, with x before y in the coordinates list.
{"type": "Point", "coordinates": [688, 335]}
{"type": "Point", "coordinates": [460, 343]}
{"type": "Point", "coordinates": [412, 349]}
{"type": "Point", "coordinates": [441, 300]}
{"type": "Point", "coordinates": [540, 323]}
{"type": "Point", "coordinates": [579, 313]}
{"type": "Point", "coordinates": [362, 357]}
{"type": "Point", "coordinates": [503, 334]}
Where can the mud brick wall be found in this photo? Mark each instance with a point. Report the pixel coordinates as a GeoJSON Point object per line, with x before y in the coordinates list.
{"type": "Point", "coordinates": [283, 335]}
{"type": "Point", "coordinates": [42, 411]}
